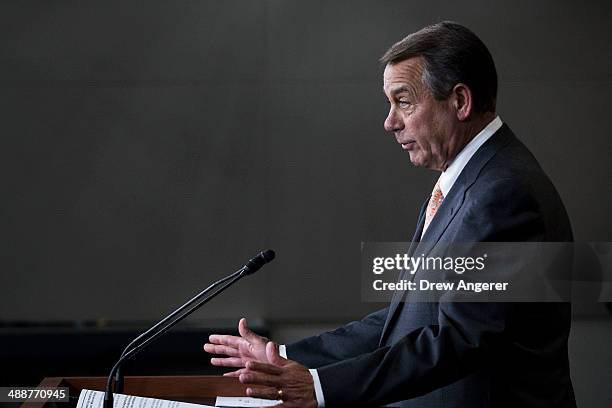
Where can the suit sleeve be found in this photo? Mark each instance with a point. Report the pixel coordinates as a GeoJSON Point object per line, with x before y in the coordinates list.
{"type": "Point", "coordinates": [351, 340]}
{"type": "Point", "coordinates": [465, 335]}
{"type": "Point", "coordinates": [348, 341]}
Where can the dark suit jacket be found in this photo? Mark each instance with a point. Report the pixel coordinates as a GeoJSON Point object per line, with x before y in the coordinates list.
{"type": "Point", "coordinates": [462, 354]}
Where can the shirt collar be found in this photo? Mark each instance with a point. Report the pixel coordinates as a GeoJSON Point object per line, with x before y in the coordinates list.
{"type": "Point", "coordinates": [449, 176]}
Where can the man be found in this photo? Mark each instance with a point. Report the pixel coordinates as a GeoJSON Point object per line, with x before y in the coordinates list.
{"type": "Point", "coordinates": [441, 84]}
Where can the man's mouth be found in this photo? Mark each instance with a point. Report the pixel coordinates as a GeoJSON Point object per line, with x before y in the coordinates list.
{"type": "Point", "coordinates": [408, 145]}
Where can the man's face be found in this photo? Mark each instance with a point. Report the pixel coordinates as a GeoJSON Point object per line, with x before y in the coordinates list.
{"type": "Point", "coordinates": [421, 124]}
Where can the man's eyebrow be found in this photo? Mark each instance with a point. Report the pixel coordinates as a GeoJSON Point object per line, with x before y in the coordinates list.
{"type": "Point", "coordinates": [402, 88]}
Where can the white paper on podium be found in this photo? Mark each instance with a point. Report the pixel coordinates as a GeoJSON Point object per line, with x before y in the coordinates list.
{"type": "Point", "coordinates": [95, 399]}
{"type": "Point", "coordinates": [244, 402]}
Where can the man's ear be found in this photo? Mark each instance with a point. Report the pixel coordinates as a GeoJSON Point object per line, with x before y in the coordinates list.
{"type": "Point", "coordinates": [462, 101]}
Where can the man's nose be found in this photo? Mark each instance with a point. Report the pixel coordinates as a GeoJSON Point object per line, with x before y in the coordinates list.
{"type": "Point", "coordinates": [393, 121]}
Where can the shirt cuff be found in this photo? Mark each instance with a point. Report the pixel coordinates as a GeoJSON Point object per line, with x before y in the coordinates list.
{"type": "Point", "coordinates": [282, 351]}
{"type": "Point", "coordinates": [318, 388]}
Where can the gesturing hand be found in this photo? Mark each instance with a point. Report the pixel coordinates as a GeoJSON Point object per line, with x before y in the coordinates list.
{"type": "Point", "coordinates": [238, 350]}
{"type": "Point", "coordinates": [280, 379]}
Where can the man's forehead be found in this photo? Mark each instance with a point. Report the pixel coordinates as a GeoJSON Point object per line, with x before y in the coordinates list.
{"type": "Point", "coordinates": [404, 74]}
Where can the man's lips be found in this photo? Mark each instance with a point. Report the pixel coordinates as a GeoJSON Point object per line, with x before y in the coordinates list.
{"type": "Point", "coordinates": [407, 145]}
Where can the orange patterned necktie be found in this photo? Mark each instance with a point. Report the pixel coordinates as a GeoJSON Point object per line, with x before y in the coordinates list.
{"type": "Point", "coordinates": [434, 203]}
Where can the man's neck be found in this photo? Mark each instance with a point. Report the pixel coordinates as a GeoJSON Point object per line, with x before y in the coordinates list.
{"type": "Point", "coordinates": [478, 124]}
{"type": "Point", "coordinates": [470, 129]}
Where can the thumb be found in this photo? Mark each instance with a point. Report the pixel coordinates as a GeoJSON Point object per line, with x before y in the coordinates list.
{"type": "Point", "coordinates": [272, 354]}
{"type": "Point", "coordinates": [245, 332]}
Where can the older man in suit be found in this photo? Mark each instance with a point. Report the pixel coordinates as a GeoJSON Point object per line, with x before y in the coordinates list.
{"type": "Point", "coordinates": [441, 84]}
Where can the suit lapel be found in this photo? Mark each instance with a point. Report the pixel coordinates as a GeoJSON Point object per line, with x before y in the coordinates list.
{"type": "Point", "coordinates": [416, 238]}
{"type": "Point", "coordinates": [448, 209]}
{"type": "Point", "coordinates": [397, 296]}
{"type": "Point", "coordinates": [445, 214]}
{"type": "Point", "coordinates": [452, 203]}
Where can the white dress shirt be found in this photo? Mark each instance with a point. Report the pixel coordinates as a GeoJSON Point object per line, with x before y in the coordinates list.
{"type": "Point", "coordinates": [450, 175]}
{"type": "Point", "coordinates": [447, 179]}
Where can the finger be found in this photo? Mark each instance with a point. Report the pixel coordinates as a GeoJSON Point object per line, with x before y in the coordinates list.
{"type": "Point", "coordinates": [218, 349]}
{"type": "Point", "coordinates": [227, 362]}
{"type": "Point", "coordinates": [263, 368]}
{"type": "Point", "coordinates": [225, 339]}
{"type": "Point", "coordinates": [272, 354]}
{"type": "Point", "coordinates": [234, 373]}
{"type": "Point", "coordinates": [262, 392]}
{"type": "Point", "coordinates": [247, 333]}
{"type": "Point", "coordinates": [255, 378]}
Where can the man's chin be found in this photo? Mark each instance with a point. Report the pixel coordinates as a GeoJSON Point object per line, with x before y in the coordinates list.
{"type": "Point", "coordinates": [416, 159]}
{"type": "Point", "coordinates": [420, 161]}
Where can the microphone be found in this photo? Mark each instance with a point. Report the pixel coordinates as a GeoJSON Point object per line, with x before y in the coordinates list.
{"type": "Point", "coordinates": [257, 262]}
{"type": "Point", "coordinates": [161, 327]}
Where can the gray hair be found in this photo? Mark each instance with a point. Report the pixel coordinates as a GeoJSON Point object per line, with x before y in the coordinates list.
{"type": "Point", "coordinates": [452, 54]}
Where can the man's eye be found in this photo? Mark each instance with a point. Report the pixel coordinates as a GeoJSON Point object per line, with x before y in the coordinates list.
{"type": "Point", "coordinates": [403, 104]}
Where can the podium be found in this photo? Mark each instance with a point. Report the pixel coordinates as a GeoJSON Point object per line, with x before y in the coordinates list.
{"type": "Point", "coordinates": [196, 389]}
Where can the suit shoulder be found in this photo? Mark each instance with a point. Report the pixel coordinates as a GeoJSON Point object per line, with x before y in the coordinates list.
{"type": "Point", "coordinates": [514, 183]}
{"type": "Point", "coordinates": [514, 163]}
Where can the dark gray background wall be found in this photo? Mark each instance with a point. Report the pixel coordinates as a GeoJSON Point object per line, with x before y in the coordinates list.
{"type": "Point", "coordinates": [149, 147]}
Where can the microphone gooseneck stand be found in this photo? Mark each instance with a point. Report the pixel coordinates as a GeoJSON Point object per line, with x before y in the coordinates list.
{"type": "Point", "coordinates": [152, 334]}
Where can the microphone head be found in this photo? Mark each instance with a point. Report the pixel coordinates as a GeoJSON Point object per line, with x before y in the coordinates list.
{"type": "Point", "coordinates": [257, 262]}
{"type": "Point", "coordinates": [268, 255]}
